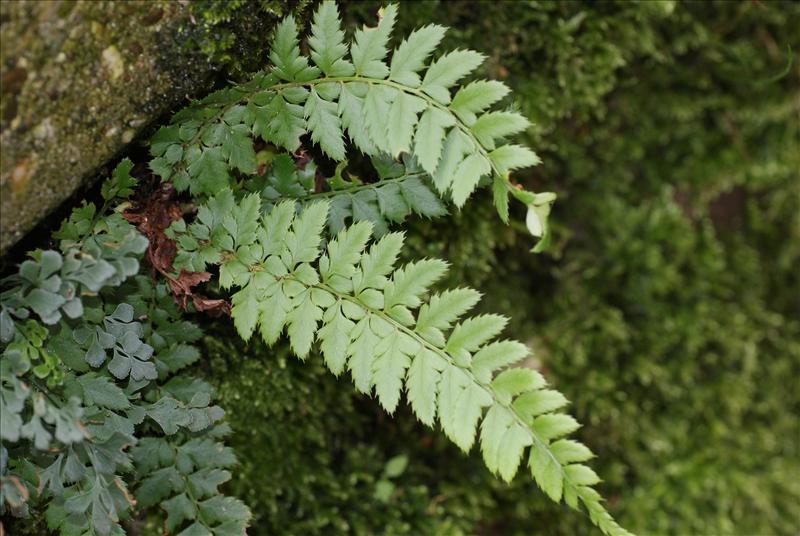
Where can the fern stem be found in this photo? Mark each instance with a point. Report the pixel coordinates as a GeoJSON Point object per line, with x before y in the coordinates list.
{"type": "Point", "coordinates": [358, 187]}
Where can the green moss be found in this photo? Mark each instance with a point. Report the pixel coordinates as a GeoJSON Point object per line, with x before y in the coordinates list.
{"type": "Point", "coordinates": [232, 33]}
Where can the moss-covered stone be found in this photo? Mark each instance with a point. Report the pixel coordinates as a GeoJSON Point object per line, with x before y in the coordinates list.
{"type": "Point", "coordinates": [81, 80]}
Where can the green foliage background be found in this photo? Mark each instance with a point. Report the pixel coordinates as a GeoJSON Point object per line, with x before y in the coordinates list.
{"type": "Point", "coordinates": [667, 307]}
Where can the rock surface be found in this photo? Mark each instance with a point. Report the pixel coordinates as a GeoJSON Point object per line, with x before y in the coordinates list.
{"type": "Point", "coordinates": [80, 81]}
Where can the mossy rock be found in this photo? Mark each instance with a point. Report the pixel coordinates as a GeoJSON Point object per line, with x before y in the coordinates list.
{"type": "Point", "coordinates": [81, 80]}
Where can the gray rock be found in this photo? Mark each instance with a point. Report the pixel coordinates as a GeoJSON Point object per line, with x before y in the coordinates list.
{"type": "Point", "coordinates": [80, 80]}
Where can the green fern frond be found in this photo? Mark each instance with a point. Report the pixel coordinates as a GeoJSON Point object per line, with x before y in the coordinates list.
{"type": "Point", "coordinates": [404, 106]}
{"type": "Point", "coordinates": [373, 319]}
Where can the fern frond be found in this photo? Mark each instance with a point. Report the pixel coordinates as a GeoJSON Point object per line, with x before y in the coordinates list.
{"type": "Point", "coordinates": [409, 58]}
{"type": "Point", "coordinates": [372, 318]}
{"type": "Point", "coordinates": [403, 107]}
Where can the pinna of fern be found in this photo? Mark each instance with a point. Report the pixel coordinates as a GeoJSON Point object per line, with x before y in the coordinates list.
{"type": "Point", "coordinates": [350, 91]}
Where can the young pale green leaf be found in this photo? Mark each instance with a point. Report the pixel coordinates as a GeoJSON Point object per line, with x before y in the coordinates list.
{"type": "Point", "coordinates": [327, 41]}
{"type": "Point", "coordinates": [351, 110]}
{"type": "Point", "coordinates": [508, 157]}
{"type": "Point", "coordinates": [494, 426]}
{"type": "Point", "coordinates": [514, 381]}
{"type": "Point", "coordinates": [323, 122]}
{"type": "Point", "coordinates": [410, 56]}
{"type": "Point", "coordinates": [443, 309]}
{"type": "Point", "coordinates": [472, 333]}
{"type": "Point", "coordinates": [495, 356]}
{"type": "Point", "coordinates": [456, 145]}
{"type": "Point", "coordinates": [461, 403]}
{"type": "Point", "coordinates": [285, 55]}
{"type": "Point", "coordinates": [469, 172]}
{"type": "Point", "coordinates": [422, 384]}
{"type": "Point", "coordinates": [273, 314]}
{"type": "Point", "coordinates": [476, 97]}
{"type": "Point", "coordinates": [554, 425]}
{"type": "Point", "coordinates": [493, 125]}
{"type": "Point", "coordinates": [275, 227]}
{"type": "Point", "coordinates": [377, 104]}
{"type": "Point", "coordinates": [429, 137]}
{"type": "Point", "coordinates": [503, 441]}
{"type": "Point", "coordinates": [303, 240]}
{"type": "Point", "coordinates": [568, 451]}
{"type": "Point", "coordinates": [538, 402]}
{"type": "Point", "coordinates": [243, 221]}
{"type": "Point", "coordinates": [244, 311]}
{"type": "Point", "coordinates": [403, 116]}
{"type": "Point", "coordinates": [379, 261]}
{"type": "Point", "coordinates": [389, 368]}
{"type": "Point", "coordinates": [500, 196]}
{"type": "Point", "coordinates": [344, 252]}
{"type": "Point", "coordinates": [411, 281]}
{"type": "Point", "coordinates": [361, 354]}
{"type": "Point", "coordinates": [335, 339]}
{"type": "Point", "coordinates": [581, 475]}
{"type": "Point", "coordinates": [371, 45]}
{"type": "Point", "coordinates": [514, 442]}
{"type": "Point", "coordinates": [546, 471]}
{"type": "Point", "coordinates": [302, 322]}
{"type": "Point", "coordinates": [443, 73]}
